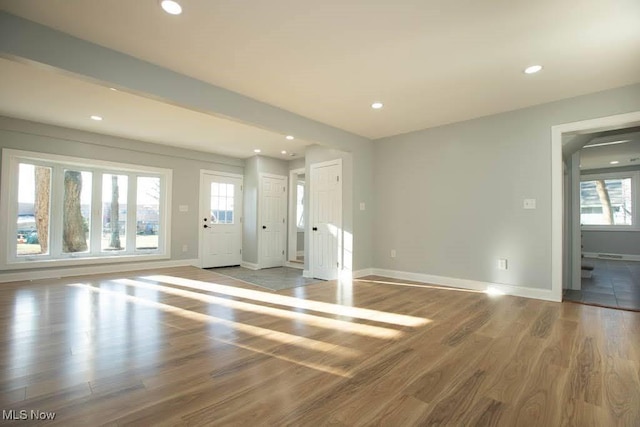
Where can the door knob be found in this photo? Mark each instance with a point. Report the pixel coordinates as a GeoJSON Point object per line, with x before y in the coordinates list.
{"type": "Point", "coordinates": [264, 227]}
{"type": "Point", "coordinates": [315, 228]}
{"type": "Point", "coordinates": [206, 226]}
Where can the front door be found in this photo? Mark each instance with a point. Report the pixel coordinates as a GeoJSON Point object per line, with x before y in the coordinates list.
{"type": "Point", "coordinates": [220, 220]}
{"type": "Point", "coordinates": [272, 223]}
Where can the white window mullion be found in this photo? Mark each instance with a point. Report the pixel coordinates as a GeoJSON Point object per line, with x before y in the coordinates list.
{"type": "Point", "coordinates": [635, 199]}
{"type": "Point", "coordinates": [56, 208]}
{"type": "Point", "coordinates": [132, 226]}
{"type": "Point", "coordinates": [96, 213]}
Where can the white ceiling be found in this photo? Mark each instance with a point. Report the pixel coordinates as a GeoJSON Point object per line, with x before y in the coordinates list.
{"type": "Point", "coordinates": [430, 61]}
{"type": "Point", "coordinates": [626, 154]}
{"type": "Point", "coordinates": [43, 95]}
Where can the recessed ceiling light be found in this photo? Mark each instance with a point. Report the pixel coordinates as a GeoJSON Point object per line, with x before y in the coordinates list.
{"type": "Point", "coordinates": [614, 162]}
{"type": "Point", "coordinates": [171, 7]}
{"type": "Point", "coordinates": [602, 144]}
{"type": "Point", "coordinates": [96, 118]}
{"type": "Point", "coordinates": [533, 69]}
{"type": "Point", "coordinates": [257, 150]}
{"type": "Point", "coordinates": [284, 151]}
{"type": "Point", "coordinates": [290, 137]}
{"type": "Point", "coordinates": [376, 105]}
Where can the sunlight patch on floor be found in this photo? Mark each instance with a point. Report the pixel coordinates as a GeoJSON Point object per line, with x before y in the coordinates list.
{"type": "Point", "coordinates": [280, 337]}
{"type": "Point", "coordinates": [308, 319]}
{"type": "Point", "coordinates": [340, 310]}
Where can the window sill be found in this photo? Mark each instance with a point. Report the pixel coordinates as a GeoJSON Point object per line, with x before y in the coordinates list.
{"type": "Point", "coordinates": [75, 262]}
{"type": "Point", "coordinates": [608, 228]}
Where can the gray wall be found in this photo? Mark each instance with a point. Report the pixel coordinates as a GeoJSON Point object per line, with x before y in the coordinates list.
{"type": "Point", "coordinates": [30, 41]}
{"type": "Point", "coordinates": [611, 242]}
{"type": "Point", "coordinates": [296, 164]}
{"type": "Point", "coordinates": [186, 165]}
{"type": "Point", "coordinates": [449, 199]}
{"type": "Point", "coordinates": [250, 223]}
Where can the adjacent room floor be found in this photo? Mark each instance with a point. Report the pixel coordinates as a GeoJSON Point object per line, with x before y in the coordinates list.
{"type": "Point", "coordinates": [613, 284]}
{"type": "Point", "coordinates": [276, 278]}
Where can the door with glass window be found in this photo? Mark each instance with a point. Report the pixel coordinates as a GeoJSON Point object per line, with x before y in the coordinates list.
{"type": "Point", "coordinates": [220, 220]}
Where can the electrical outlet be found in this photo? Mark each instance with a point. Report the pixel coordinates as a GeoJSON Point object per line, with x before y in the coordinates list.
{"type": "Point", "coordinates": [393, 253]}
{"type": "Point", "coordinates": [502, 264]}
{"type": "Point", "coordinates": [362, 206]}
{"type": "Point", "coordinates": [529, 204]}
{"type": "Point", "coordinates": [185, 248]}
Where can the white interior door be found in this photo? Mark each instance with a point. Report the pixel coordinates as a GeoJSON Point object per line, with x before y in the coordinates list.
{"type": "Point", "coordinates": [220, 220]}
{"type": "Point", "coordinates": [326, 219]}
{"type": "Point", "coordinates": [272, 221]}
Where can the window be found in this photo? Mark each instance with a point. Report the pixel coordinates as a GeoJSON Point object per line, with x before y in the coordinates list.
{"type": "Point", "coordinates": [222, 203]}
{"type": "Point", "coordinates": [300, 205]}
{"type": "Point", "coordinates": [67, 210]}
{"type": "Point", "coordinates": [608, 201]}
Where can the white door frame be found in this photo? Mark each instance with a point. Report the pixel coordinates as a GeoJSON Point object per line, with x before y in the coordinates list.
{"type": "Point", "coordinates": [293, 200]}
{"type": "Point", "coordinates": [259, 216]}
{"type": "Point", "coordinates": [204, 172]}
{"type": "Point", "coordinates": [312, 202]}
{"type": "Point", "coordinates": [618, 121]}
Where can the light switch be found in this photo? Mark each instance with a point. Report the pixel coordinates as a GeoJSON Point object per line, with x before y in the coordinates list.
{"type": "Point", "coordinates": [529, 203]}
{"type": "Point", "coordinates": [183, 208]}
{"type": "Point", "coordinates": [362, 207]}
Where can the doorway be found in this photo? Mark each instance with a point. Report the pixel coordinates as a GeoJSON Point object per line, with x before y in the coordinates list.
{"type": "Point", "coordinates": [606, 189]}
{"type": "Point", "coordinates": [220, 219]}
{"type": "Point", "coordinates": [297, 196]}
{"type": "Point", "coordinates": [325, 219]}
{"type": "Point", "coordinates": [567, 139]}
{"type": "Point", "coordinates": [272, 232]}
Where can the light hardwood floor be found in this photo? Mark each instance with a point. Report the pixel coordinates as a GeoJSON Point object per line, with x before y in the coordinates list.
{"type": "Point", "coordinates": [189, 346]}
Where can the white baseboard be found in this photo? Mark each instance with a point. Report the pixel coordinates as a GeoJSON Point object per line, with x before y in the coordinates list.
{"type": "Point", "coordinates": [543, 294]}
{"type": "Point", "coordinates": [362, 273]}
{"type": "Point", "coordinates": [306, 273]}
{"type": "Point", "coordinates": [250, 265]}
{"type": "Point", "coordinates": [618, 257]}
{"type": "Point", "coordinates": [94, 269]}
{"type": "Point", "coordinates": [297, 265]}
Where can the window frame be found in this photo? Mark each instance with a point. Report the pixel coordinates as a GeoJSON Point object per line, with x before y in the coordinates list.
{"type": "Point", "coordinates": [9, 259]}
{"type": "Point", "coordinates": [635, 198]}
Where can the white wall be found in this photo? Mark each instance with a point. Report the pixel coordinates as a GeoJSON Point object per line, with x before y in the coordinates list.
{"type": "Point", "coordinates": [449, 199]}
